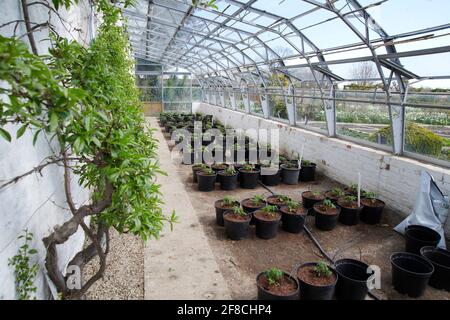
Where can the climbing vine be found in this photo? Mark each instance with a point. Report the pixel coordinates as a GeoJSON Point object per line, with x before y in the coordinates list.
{"type": "Point", "coordinates": [86, 101]}
{"type": "Point", "coordinates": [24, 270]}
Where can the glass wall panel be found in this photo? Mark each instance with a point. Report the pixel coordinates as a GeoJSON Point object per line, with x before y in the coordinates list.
{"type": "Point", "coordinates": [427, 132]}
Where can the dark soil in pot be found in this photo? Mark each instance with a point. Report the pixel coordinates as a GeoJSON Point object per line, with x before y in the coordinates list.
{"type": "Point", "coordinates": [206, 181]}
{"type": "Point", "coordinates": [270, 177]}
{"type": "Point", "coordinates": [307, 172]}
{"type": "Point", "coordinates": [293, 221]}
{"type": "Point", "coordinates": [410, 273]}
{"type": "Point", "coordinates": [417, 237]}
{"type": "Point", "coordinates": [228, 181]}
{"type": "Point", "coordinates": [266, 224]}
{"type": "Point", "coordinates": [372, 211]}
{"type": "Point", "coordinates": [248, 178]}
{"type": "Point", "coordinates": [352, 279]}
{"type": "Point", "coordinates": [277, 200]}
{"type": "Point", "coordinates": [250, 206]}
{"type": "Point", "coordinates": [289, 174]}
{"type": "Point", "coordinates": [220, 210]}
{"type": "Point", "coordinates": [217, 167]}
{"type": "Point", "coordinates": [440, 259]}
{"type": "Point", "coordinates": [326, 218]}
{"type": "Point", "coordinates": [349, 212]}
{"type": "Point", "coordinates": [313, 287]}
{"type": "Point", "coordinates": [310, 198]}
{"type": "Point", "coordinates": [333, 196]}
{"type": "Point", "coordinates": [286, 289]}
{"type": "Point", "coordinates": [236, 225]}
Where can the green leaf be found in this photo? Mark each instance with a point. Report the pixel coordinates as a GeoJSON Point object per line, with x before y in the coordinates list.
{"type": "Point", "coordinates": [54, 121]}
{"type": "Point", "coordinates": [21, 131]}
{"type": "Point", "coordinates": [5, 134]}
{"type": "Point", "coordinates": [36, 136]}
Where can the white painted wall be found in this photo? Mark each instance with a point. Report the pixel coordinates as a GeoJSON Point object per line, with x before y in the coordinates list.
{"type": "Point", "coordinates": [395, 179]}
{"type": "Point", "coordinates": [36, 202]}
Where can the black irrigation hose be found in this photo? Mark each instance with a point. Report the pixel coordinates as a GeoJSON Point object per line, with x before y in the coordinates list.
{"type": "Point", "coordinates": [315, 241]}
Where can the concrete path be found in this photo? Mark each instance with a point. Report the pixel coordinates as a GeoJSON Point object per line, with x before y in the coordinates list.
{"type": "Point", "coordinates": [181, 264]}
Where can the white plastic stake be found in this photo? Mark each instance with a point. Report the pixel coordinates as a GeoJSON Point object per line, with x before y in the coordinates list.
{"type": "Point", "coordinates": [359, 189]}
{"type": "Point", "coordinates": [301, 156]}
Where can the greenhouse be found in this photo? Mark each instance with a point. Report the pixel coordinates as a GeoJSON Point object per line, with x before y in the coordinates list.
{"type": "Point", "coordinates": [225, 150]}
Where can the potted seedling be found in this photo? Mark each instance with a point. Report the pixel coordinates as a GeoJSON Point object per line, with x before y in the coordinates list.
{"type": "Point", "coordinates": [196, 168]}
{"type": "Point", "coordinates": [307, 171]}
{"type": "Point", "coordinates": [350, 210]}
{"type": "Point", "coordinates": [290, 173]}
{"type": "Point", "coordinates": [254, 203]}
{"type": "Point", "coordinates": [270, 176]}
{"type": "Point", "coordinates": [372, 208]}
{"type": "Point", "coordinates": [275, 284]}
{"type": "Point", "coordinates": [317, 281]}
{"type": "Point", "coordinates": [326, 214]}
{"type": "Point", "coordinates": [293, 216]}
{"type": "Point", "coordinates": [278, 200]}
{"type": "Point", "coordinates": [282, 159]}
{"type": "Point", "coordinates": [267, 220]}
{"type": "Point", "coordinates": [248, 176]}
{"type": "Point", "coordinates": [217, 167]}
{"type": "Point", "coordinates": [228, 178]}
{"type": "Point", "coordinates": [334, 194]}
{"type": "Point", "coordinates": [206, 179]}
{"type": "Point", "coordinates": [223, 205]}
{"type": "Point", "coordinates": [352, 190]}
{"type": "Point", "coordinates": [310, 198]}
{"type": "Point", "coordinates": [237, 222]}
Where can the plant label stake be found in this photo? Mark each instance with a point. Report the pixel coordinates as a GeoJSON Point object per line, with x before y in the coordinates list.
{"type": "Point", "coordinates": [359, 189]}
{"type": "Point", "coordinates": [301, 156]}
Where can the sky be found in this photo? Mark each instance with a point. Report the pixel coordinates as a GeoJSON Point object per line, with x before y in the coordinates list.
{"type": "Point", "coordinates": [395, 17]}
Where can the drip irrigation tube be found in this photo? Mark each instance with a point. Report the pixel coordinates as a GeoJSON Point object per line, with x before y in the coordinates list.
{"type": "Point", "coordinates": [315, 241]}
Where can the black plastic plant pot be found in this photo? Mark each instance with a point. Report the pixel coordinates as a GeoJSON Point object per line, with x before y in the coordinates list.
{"type": "Point", "coordinates": [307, 172]}
{"type": "Point", "coordinates": [289, 175]}
{"type": "Point", "coordinates": [221, 210]}
{"type": "Point", "coordinates": [352, 279]}
{"type": "Point", "coordinates": [326, 222]}
{"type": "Point", "coordinates": [371, 213]}
{"type": "Point", "coordinates": [310, 291]}
{"type": "Point", "coordinates": [270, 177]}
{"type": "Point", "coordinates": [440, 259]}
{"type": "Point", "coordinates": [266, 229]}
{"type": "Point", "coordinates": [417, 237]}
{"type": "Point", "coordinates": [195, 170]}
{"type": "Point", "coordinates": [227, 181]}
{"type": "Point", "coordinates": [264, 294]}
{"type": "Point", "coordinates": [248, 179]}
{"type": "Point", "coordinates": [410, 273]}
{"type": "Point", "coordinates": [236, 229]}
{"type": "Point", "coordinates": [206, 182]}
{"type": "Point", "coordinates": [349, 216]}
{"type": "Point", "coordinates": [309, 202]}
{"type": "Point", "coordinates": [292, 222]}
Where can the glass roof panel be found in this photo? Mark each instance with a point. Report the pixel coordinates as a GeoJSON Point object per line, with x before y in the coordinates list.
{"type": "Point", "coordinates": [332, 34]}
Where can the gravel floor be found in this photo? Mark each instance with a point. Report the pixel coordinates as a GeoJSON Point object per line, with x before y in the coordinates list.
{"type": "Point", "coordinates": [124, 276]}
